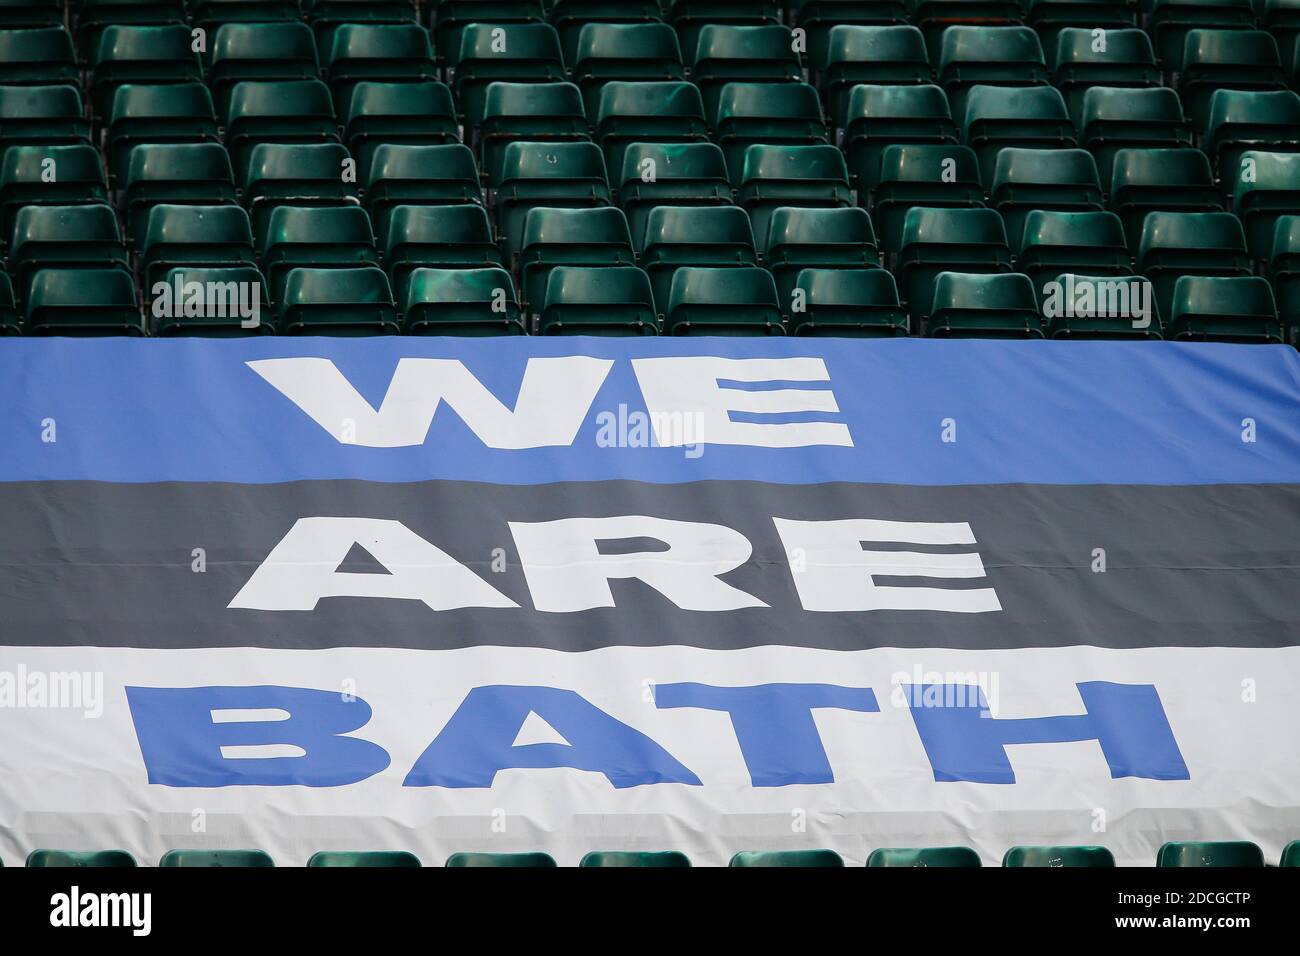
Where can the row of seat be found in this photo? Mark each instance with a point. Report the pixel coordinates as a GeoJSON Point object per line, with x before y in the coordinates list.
{"type": "Point", "coordinates": [1176, 854]}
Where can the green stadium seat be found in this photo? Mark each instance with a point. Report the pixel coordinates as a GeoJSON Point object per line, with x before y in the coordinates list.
{"type": "Point", "coordinates": [946, 240]}
{"type": "Point", "coordinates": [225, 305]}
{"type": "Point", "coordinates": [41, 115]}
{"type": "Point", "coordinates": [680, 174]}
{"type": "Point", "coordinates": [337, 302]}
{"type": "Point", "coordinates": [882, 55]}
{"type": "Point", "coordinates": [1281, 18]}
{"type": "Point", "coordinates": [64, 237]}
{"type": "Point", "coordinates": [881, 116]}
{"type": "Point", "coordinates": [500, 860]}
{"type": "Point", "coordinates": [437, 237]}
{"type": "Point", "coordinates": [83, 302]}
{"type": "Point", "coordinates": [407, 114]}
{"type": "Point", "coordinates": [24, 171]}
{"type": "Point", "coordinates": [988, 56]}
{"type": "Point", "coordinates": [569, 17]}
{"type": "Point", "coordinates": [260, 51]}
{"type": "Point", "coordinates": [282, 111]}
{"type": "Point", "coordinates": [1222, 309]}
{"type": "Point", "coordinates": [68, 858]}
{"type": "Point", "coordinates": [450, 17]}
{"type": "Point", "coordinates": [1033, 117]}
{"type": "Point", "coordinates": [624, 51]}
{"type": "Point", "coordinates": [677, 236]}
{"type": "Point", "coordinates": [570, 237]}
{"type": "Point", "coordinates": [598, 301]}
{"type": "Point", "coordinates": [709, 301]}
{"type": "Point", "coordinates": [316, 237]}
{"type": "Point", "coordinates": [1284, 271]}
{"type": "Point", "coordinates": [95, 15]}
{"type": "Point", "coordinates": [238, 858]}
{"type": "Point", "coordinates": [536, 112]}
{"type": "Point", "coordinates": [934, 17]}
{"type": "Point", "coordinates": [211, 15]}
{"type": "Point", "coordinates": [1166, 180]}
{"type": "Point", "coordinates": [157, 113]}
{"type": "Point", "coordinates": [665, 858]}
{"type": "Point", "coordinates": [558, 175]}
{"type": "Point", "coordinates": [1117, 118]}
{"type": "Point", "coordinates": [1117, 59]}
{"type": "Point", "coordinates": [774, 114]}
{"type": "Point", "coordinates": [1175, 244]}
{"type": "Point", "coordinates": [37, 56]}
{"type": "Point", "coordinates": [1267, 186]}
{"type": "Point", "coordinates": [817, 18]}
{"type": "Point", "coordinates": [1226, 59]}
{"type": "Point", "coordinates": [11, 322]}
{"type": "Point", "coordinates": [511, 53]}
{"type": "Point", "coordinates": [1232, 853]}
{"type": "Point", "coordinates": [150, 55]}
{"type": "Point", "coordinates": [297, 174]}
{"type": "Point", "coordinates": [939, 176]}
{"type": "Point", "coordinates": [443, 175]}
{"type": "Point", "coordinates": [382, 52]}
{"type": "Point", "coordinates": [1088, 243]}
{"type": "Point", "coordinates": [1059, 856]}
{"type": "Point", "coordinates": [857, 303]}
{"type": "Point", "coordinates": [1246, 119]}
{"type": "Point", "coordinates": [1291, 854]}
{"type": "Point", "coordinates": [326, 14]}
{"type": "Point", "coordinates": [647, 112]}
{"type": "Point", "coordinates": [775, 176]}
{"type": "Point", "coordinates": [958, 856]}
{"type": "Point", "coordinates": [783, 858]}
{"type": "Point", "coordinates": [1169, 22]}
{"type": "Point", "coordinates": [470, 302]}
{"type": "Point", "coordinates": [1102, 307]}
{"type": "Point", "coordinates": [1050, 18]}
{"type": "Point", "coordinates": [376, 858]}
{"type": "Point", "coordinates": [799, 239]}
{"type": "Point", "coordinates": [1063, 180]}
{"type": "Point", "coordinates": [690, 17]}
{"type": "Point", "coordinates": [729, 53]}
{"type": "Point", "coordinates": [187, 173]}
{"type": "Point", "coordinates": [984, 307]}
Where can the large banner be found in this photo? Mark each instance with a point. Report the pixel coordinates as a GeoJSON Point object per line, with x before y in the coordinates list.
{"type": "Point", "coordinates": [698, 594]}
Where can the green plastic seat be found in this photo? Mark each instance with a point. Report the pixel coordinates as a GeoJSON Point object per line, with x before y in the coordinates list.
{"type": "Point", "coordinates": [317, 237]}
{"type": "Point", "coordinates": [569, 237]}
{"type": "Point", "coordinates": [296, 174]}
{"type": "Point", "coordinates": [141, 54]}
{"type": "Point", "coordinates": [669, 174]}
{"type": "Point", "coordinates": [512, 53]}
{"type": "Point", "coordinates": [386, 52]}
{"type": "Point", "coordinates": [470, 302]}
{"type": "Point", "coordinates": [41, 115]}
{"type": "Point", "coordinates": [24, 170]}
{"type": "Point", "coordinates": [337, 302]}
{"type": "Point", "coordinates": [624, 51]}
{"type": "Point", "coordinates": [11, 321]}
{"type": "Point", "coordinates": [95, 15]}
{"type": "Point", "coordinates": [858, 303]}
{"type": "Point", "coordinates": [223, 308]}
{"type": "Point", "coordinates": [534, 112]}
{"type": "Point", "coordinates": [83, 302]}
{"type": "Point", "coordinates": [1050, 18]}
{"type": "Point", "coordinates": [1247, 119]}
{"type": "Point", "coordinates": [1291, 854]}
{"type": "Point", "coordinates": [570, 17]}
{"type": "Point", "coordinates": [1284, 271]}
{"type": "Point", "coordinates": [437, 237]}
{"type": "Point", "coordinates": [857, 54]}
{"type": "Point", "coordinates": [1169, 22]}
{"type": "Point", "coordinates": [731, 53]}
{"type": "Point", "coordinates": [64, 237]}
{"type": "Point", "coordinates": [799, 239]}
{"type": "Point", "coordinates": [665, 858]}
{"type": "Point", "coordinates": [954, 856]}
{"type": "Point", "coordinates": [922, 174]}
{"type": "Point", "coordinates": [581, 300]}
{"type": "Point", "coordinates": [1270, 191]}
{"type": "Point", "coordinates": [157, 113]}
{"type": "Point", "coordinates": [1101, 307]}
{"type": "Point", "coordinates": [408, 114]}
{"type": "Point", "coordinates": [1024, 180]}
{"type": "Point", "coordinates": [775, 176]}
{"type": "Point", "coordinates": [1088, 243]}
{"type": "Point", "coordinates": [1226, 59]}
{"type": "Point", "coordinates": [210, 15]}
{"type": "Point", "coordinates": [325, 15]}
{"type": "Point", "coordinates": [934, 17]}
{"type": "Point", "coordinates": [282, 111]}
{"type": "Point", "coordinates": [783, 858]}
{"type": "Point", "coordinates": [558, 175]}
{"type": "Point", "coordinates": [238, 858]}
{"type": "Point", "coordinates": [443, 175]}
{"type": "Point", "coordinates": [450, 17]}
{"type": "Point", "coordinates": [37, 56]}
{"type": "Point", "coordinates": [984, 306]}
{"type": "Point", "coordinates": [988, 56]}
{"type": "Point", "coordinates": [774, 114]}
{"type": "Point", "coordinates": [1119, 58]}
{"type": "Point", "coordinates": [184, 173]}
{"type": "Point", "coordinates": [1231, 853]}
{"type": "Point", "coordinates": [690, 17]}
{"type": "Point", "coordinates": [260, 51]}
{"type": "Point", "coordinates": [710, 301]}
{"type": "Point", "coordinates": [1032, 117]}
{"type": "Point", "coordinates": [1224, 309]}
{"type": "Point", "coordinates": [500, 859]}
{"type": "Point", "coordinates": [1117, 118]}
{"type": "Point", "coordinates": [79, 858]}
{"type": "Point", "coordinates": [677, 236]}
{"type": "Point", "coordinates": [936, 240]}
{"type": "Point", "coordinates": [878, 117]}
{"type": "Point", "coordinates": [376, 858]}
{"type": "Point", "coordinates": [1168, 180]}
{"type": "Point", "coordinates": [647, 112]}
{"type": "Point", "coordinates": [1059, 856]}
{"type": "Point", "coordinates": [1175, 244]}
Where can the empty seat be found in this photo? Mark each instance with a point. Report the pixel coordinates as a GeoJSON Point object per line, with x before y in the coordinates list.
{"type": "Point", "coordinates": [260, 51]}
{"type": "Point", "coordinates": [709, 301]}
{"type": "Point", "coordinates": [1117, 59]}
{"type": "Point", "coordinates": [727, 53]}
{"type": "Point", "coordinates": [946, 240]}
{"type": "Point", "coordinates": [191, 173]}
{"type": "Point", "coordinates": [860, 303]}
{"type": "Point", "coordinates": [37, 56]}
{"type": "Point", "coordinates": [1234, 853]}
{"type": "Point", "coordinates": [1226, 59]}
{"type": "Point", "coordinates": [645, 112]}
{"type": "Point", "coordinates": [1051, 18]}
{"type": "Point", "coordinates": [137, 54]}
{"type": "Point", "coordinates": [240, 858]}
{"type": "Point", "coordinates": [537, 112]}
{"type": "Point", "coordinates": [624, 51]}
{"type": "Point", "coordinates": [450, 17]}
{"type": "Point", "coordinates": [500, 859]}
{"type": "Point", "coordinates": [1291, 854]}
{"type": "Point", "coordinates": [377, 858]}
{"type": "Point", "coordinates": [1168, 180]}
{"type": "Point", "coordinates": [48, 175]}
{"type": "Point", "coordinates": [774, 114]}
{"type": "Point", "coordinates": [92, 858]}
{"type": "Point", "coordinates": [1267, 186]}
{"type": "Point", "coordinates": [94, 15]}
{"type": "Point", "coordinates": [1223, 309]}
{"type": "Point", "coordinates": [337, 302]}
{"type": "Point", "coordinates": [297, 174]}
{"type": "Point", "coordinates": [1169, 22]}
{"type": "Point", "coordinates": [64, 237]}
{"type": "Point", "coordinates": [157, 113]}
{"type": "Point", "coordinates": [999, 116]}
{"type": "Point", "coordinates": [1100, 307]}
{"type": "Point", "coordinates": [439, 237]}
{"type": "Point", "coordinates": [1115, 118]}
{"type": "Point", "coordinates": [1175, 244]}
{"type": "Point", "coordinates": [938, 176]}
{"type": "Point", "coordinates": [570, 237]}
{"type": "Point", "coordinates": [83, 302]}
{"type": "Point", "coordinates": [286, 111]}
{"type": "Point", "coordinates": [565, 175]}
{"type": "Point", "coordinates": [664, 858]}
{"type": "Point", "coordinates": [811, 858]}
{"type": "Point", "coordinates": [988, 56]}
{"type": "Point", "coordinates": [775, 176]}
{"type": "Point", "coordinates": [1053, 242]}
{"type": "Point", "coordinates": [677, 236]}
{"type": "Point", "coordinates": [881, 116]}
{"type": "Point", "coordinates": [884, 55]}
{"type": "Point", "coordinates": [670, 174]}
{"type": "Point", "coordinates": [407, 113]}
{"type": "Point", "coordinates": [443, 175]}
{"type": "Point", "coordinates": [1029, 179]}
{"type": "Point", "coordinates": [513, 53]}
{"type": "Point", "coordinates": [316, 237]}
{"type": "Point", "coordinates": [581, 300]}
{"type": "Point", "coordinates": [690, 17]}
{"type": "Point", "coordinates": [1245, 119]}
{"type": "Point", "coordinates": [210, 15]}
{"type": "Point", "coordinates": [461, 302]}
{"type": "Point", "coordinates": [570, 17]}
{"type": "Point", "coordinates": [961, 856]}
{"type": "Point", "coordinates": [984, 306]}
{"type": "Point", "coordinates": [1284, 272]}
{"type": "Point", "coordinates": [798, 239]}
{"type": "Point", "coordinates": [44, 115]}
{"type": "Point", "coordinates": [326, 14]}
{"type": "Point", "coordinates": [211, 302]}
{"type": "Point", "coordinates": [386, 52]}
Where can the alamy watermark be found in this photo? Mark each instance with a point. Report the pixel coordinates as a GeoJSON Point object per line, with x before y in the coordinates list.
{"type": "Point", "coordinates": [638, 429]}
{"type": "Point", "coordinates": [23, 689]}
{"type": "Point", "coordinates": [1093, 298]}
{"type": "Point", "coordinates": [182, 298]}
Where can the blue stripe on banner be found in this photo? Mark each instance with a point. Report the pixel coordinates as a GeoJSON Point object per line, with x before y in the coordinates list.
{"type": "Point", "coordinates": [915, 412]}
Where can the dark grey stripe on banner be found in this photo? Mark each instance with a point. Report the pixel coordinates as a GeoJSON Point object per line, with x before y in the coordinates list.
{"type": "Point", "coordinates": [86, 563]}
